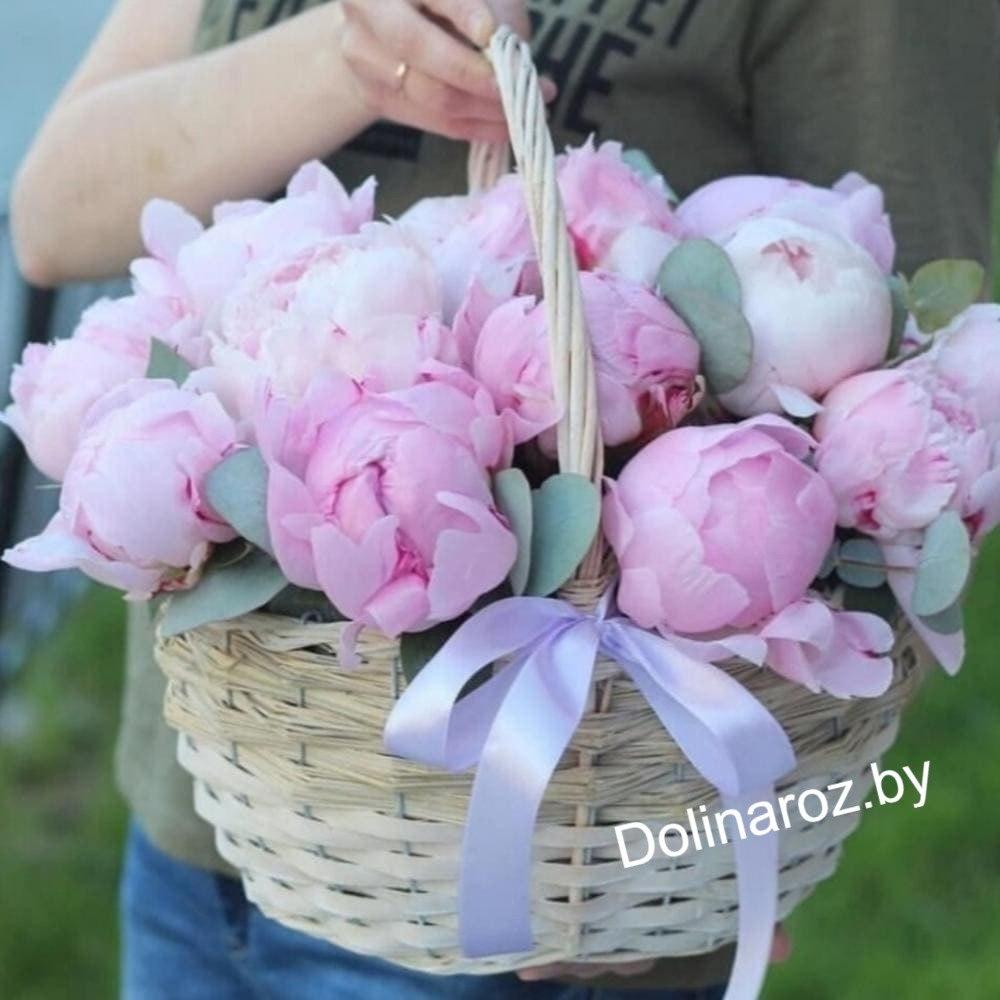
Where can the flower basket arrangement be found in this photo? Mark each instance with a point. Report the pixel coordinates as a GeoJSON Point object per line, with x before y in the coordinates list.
{"type": "Point", "coordinates": [531, 513]}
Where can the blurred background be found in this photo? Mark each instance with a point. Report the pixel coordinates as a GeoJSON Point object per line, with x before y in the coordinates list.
{"type": "Point", "coordinates": [913, 911]}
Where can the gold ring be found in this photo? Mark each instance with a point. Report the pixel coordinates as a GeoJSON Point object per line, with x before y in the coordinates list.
{"type": "Point", "coordinates": [401, 72]}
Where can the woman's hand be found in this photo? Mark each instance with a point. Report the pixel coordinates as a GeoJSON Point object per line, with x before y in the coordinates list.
{"type": "Point", "coordinates": [420, 64]}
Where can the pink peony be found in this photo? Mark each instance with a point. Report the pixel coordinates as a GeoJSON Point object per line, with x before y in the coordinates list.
{"type": "Point", "coordinates": [618, 220]}
{"type": "Point", "coordinates": [844, 653]}
{"type": "Point", "coordinates": [511, 361]}
{"type": "Point", "coordinates": [966, 359]}
{"type": "Point", "coordinates": [482, 239]}
{"type": "Point", "coordinates": [131, 514]}
{"type": "Point", "coordinates": [853, 208]}
{"type": "Point", "coordinates": [818, 307]}
{"type": "Point", "coordinates": [192, 269]}
{"type": "Point", "coordinates": [646, 360]}
{"type": "Point", "coordinates": [718, 526]}
{"type": "Point", "coordinates": [383, 503]}
{"type": "Point", "coordinates": [367, 306]}
{"type": "Point", "coordinates": [900, 446]}
{"type": "Point", "coordinates": [56, 384]}
{"type": "Point", "coordinates": [605, 197]}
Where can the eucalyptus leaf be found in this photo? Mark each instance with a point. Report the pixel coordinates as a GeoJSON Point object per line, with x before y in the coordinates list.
{"type": "Point", "coordinates": [860, 563]}
{"type": "Point", "coordinates": [513, 498]}
{"type": "Point", "coordinates": [945, 563]}
{"type": "Point", "coordinates": [940, 290]}
{"type": "Point", "coordinates": [948, 622]}
{"type": "Point", "coordinates": [566, 511]}
{"type": "Point", "coordinates": [724, 336]}
{"type": "Point", "coordinates": [698, 280]}
{"type": "Point", "coordinates": [237, 490]}
{"type": "Point", "coordinates": [702, 266]}
{"type": "Point", "coordinates": [900, 291]}
{"type": "Point", "coordinates": [226, 590]}
{"type": "Point", "coordinates": [164, 362]}
{"type": "Point", "coordinates": [639, 161]}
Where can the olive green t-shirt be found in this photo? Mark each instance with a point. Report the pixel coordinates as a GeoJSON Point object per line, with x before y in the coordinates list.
{"type": "Point", "coordinates": [904, 91]}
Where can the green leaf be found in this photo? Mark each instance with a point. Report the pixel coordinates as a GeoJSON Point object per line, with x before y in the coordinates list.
{"type": "Point", "coordinates": [513, 499]}
{"type": "Point", "coordinates": [237, 490]}
{"type": "Point", "coordinates": [298, 602]}
{"type": "Point", "coordinates": [724, 336]}
{"type": "Point", "coordinates": [566, 512]}
{"type": "Point", "coordinates": [699, 281]}
{"type": "Point", "coordinates": [226, 590]}
{"type": "Point", "coordinates": [164, 362]}
{"type": "Point", "coordinates": [900, 291]}
{"type": "Point", "coordinates": [876, 601]}
{"type": "Point", "coordinates": [945, 563]}
{"type": "Point", "coordinates": [940, 290]}
{"type": "Point", "coordinates": [703, 266]}
{"type": "Point", "coordinates": [417, 649]}
{"type": "Point", "coordinates": [639, 162]}
{"type": "Point", "coordinates": [948, 622]}
{"type": "Point", "coordinates": [860, 563]}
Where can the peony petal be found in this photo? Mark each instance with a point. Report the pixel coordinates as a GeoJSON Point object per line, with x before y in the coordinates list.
{"type": "Point", "coordinates": [468, 564]}
{"type": "Point", "coordinates": [793, 439]}
{"type": "Point", "coordinates": [56, 548]}
{"type": "Point", "coordinates": [848, 673]}
{"type": "Point", "coordinates": [751, 648]}
{"type": "Point", "coordinates": [809, 622]}
{"type": "Point", "coordinates": [400, 606]}
{"type": "Point", "coordinates": [291, 512]}
{"type": "Point", "coordinates": [166, 227]}
{"type": "Point", "coordinates": [795, 402]}
{"type": "Point", "coordinates": [615, 520]}
{"type": "Point", "coordinates": [795, 661]}
{"type": "Point", "coordinates": [694, 597]}
{"type": "Point", "coordinates": [352, 573]}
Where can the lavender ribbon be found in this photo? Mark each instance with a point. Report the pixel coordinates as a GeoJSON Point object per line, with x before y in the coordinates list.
{"type": "Point", "coordinates": [516, 727]}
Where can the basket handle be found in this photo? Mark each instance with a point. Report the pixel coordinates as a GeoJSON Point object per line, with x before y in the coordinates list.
{"type": "Point", "coordinates": [580, 448]}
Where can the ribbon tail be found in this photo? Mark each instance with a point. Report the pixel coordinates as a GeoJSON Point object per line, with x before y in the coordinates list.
{"type": "Point", "coordinates": [757, 881]}
{"type": "Point", "coordinates": [737, 745]}
{"type": "Point", "coordinates": [529, 735]}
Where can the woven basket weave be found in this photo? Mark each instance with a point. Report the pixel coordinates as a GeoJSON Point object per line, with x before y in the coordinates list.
{"type": "Point", "coordinates": [336, 838]}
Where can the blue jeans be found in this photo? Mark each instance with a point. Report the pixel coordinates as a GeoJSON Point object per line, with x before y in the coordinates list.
{"type": "Point", "coordinates": [190, 934]}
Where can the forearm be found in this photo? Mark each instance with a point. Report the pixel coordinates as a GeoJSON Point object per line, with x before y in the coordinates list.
{"type": "Point", "coordinates": [231, 123]}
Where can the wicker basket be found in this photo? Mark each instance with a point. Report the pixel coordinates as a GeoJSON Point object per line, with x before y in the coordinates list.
{"type": "Point", "coordinates": [337, 838]}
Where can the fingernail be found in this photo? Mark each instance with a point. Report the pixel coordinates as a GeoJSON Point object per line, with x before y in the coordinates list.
{"type": "Point", "coordinates": [481, 27]}
{"type": "Point", "coordinates": [549, 88]}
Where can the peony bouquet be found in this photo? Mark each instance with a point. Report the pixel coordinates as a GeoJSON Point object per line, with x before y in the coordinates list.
{"type": "Point", "coordinates": [304, 408]}
{"type": "Point", "coordinates": [307, 411]}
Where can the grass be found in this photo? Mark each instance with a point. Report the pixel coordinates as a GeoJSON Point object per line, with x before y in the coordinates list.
{"type": "Point", "coordinates": [61, 820]}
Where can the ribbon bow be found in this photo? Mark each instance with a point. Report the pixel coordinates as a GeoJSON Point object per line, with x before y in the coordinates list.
{"type": "Point", "coordinates": [516, 727]}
